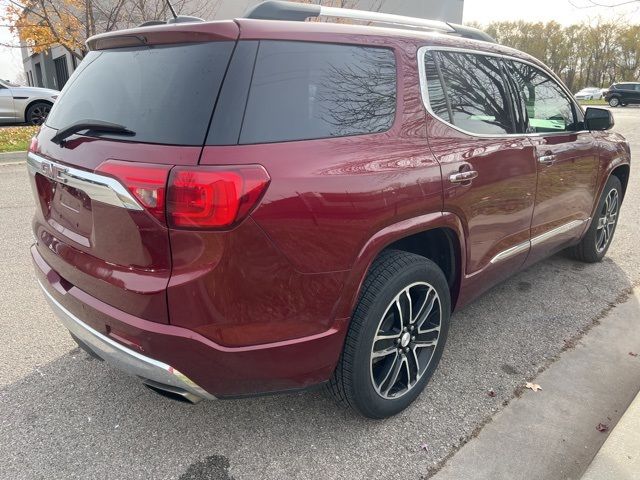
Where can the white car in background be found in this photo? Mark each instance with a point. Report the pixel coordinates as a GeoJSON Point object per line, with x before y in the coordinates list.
{"type": "Point", "coordinates": [25, 104]}
{"type": "Point", "coordinates": [589, 93]}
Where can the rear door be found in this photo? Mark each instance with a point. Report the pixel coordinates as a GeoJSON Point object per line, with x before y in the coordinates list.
{"type": "Point", "coordinates": [566, 157]}
{"type": "Point", "coordinates": [488, 168]}
{"type": "Point", "coordinates": [100, 222]}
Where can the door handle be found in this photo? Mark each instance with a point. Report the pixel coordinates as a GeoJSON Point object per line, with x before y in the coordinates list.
{"type": "Point", "coordinates": [463, 176]}
{"type": "Point", "coordinates": [547, 159]}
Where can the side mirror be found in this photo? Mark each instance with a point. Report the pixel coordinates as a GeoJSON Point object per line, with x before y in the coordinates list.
{"type": "Point", "coordinates": [598, 119]}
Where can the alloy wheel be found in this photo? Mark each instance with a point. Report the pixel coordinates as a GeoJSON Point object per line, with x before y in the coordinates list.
{"type": "Point", "coordinates": [607, 220]}
{"type": "Point", "coordinates": [39, 114]}
{"type": "Point", "coordinates": [406, 339]}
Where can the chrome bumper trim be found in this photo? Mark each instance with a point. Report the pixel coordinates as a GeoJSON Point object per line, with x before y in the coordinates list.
{"type": "Point", "coordinates": [121, 357]}
{"type": "Point", "coordinates": [98, 187]}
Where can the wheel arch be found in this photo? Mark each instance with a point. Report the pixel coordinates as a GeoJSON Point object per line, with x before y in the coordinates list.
{"type": "Point", "coordinates": [437, 236]}
{"type": "Point", "coordinates": [622, 172]}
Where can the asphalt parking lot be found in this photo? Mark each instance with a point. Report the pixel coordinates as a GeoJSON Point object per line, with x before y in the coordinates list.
{"type": "Point", "coordinates": [64, 415]}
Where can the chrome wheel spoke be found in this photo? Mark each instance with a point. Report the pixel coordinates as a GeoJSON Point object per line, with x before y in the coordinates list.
{"type": "Point", "coordinates": [384, 352]}
{"type": "Point", "coordinates": [393, 375]}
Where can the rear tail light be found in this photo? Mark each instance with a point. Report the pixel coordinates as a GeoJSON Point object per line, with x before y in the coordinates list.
{"type": "Point", "coordinates": [192, 197]}
{"type": "Point", "coordinates": [147, 182]}
{"type": "Point", "coordinates": [214, 197]}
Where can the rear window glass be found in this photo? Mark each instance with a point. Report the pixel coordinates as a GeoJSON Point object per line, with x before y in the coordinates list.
{"type": "Point", "coordinates": [165, 94]}
{"type": "Point", "coordinates": [307, 90]}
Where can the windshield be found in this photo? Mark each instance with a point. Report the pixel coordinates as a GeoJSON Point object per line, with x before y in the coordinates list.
{"type": "Point", "coordinates": [165, 94]}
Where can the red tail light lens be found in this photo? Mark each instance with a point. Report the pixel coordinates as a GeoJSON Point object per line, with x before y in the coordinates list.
{"type": "Point", "coordinates": [147, 182]}
{"type": "Point", "coordinates": [214, 197]}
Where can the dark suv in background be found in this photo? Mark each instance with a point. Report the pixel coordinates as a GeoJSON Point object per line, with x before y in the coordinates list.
{"type": "Point", "coordinates": [623, 94]}
{"type": "Point", "coordinates": [259, 205]}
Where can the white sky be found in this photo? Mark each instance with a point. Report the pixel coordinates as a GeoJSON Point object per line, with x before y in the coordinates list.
{"type": "Point", "coordinates": [563, 11]}
{"type": "Point", "coordinates": [483, 11]}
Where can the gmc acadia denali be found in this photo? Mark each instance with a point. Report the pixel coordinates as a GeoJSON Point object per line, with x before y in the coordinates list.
{"type": "Point", "coordinates": [265, 204]}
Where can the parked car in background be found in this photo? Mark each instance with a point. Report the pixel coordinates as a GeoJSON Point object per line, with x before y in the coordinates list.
{"type": "Point", "coordinates": [25, 104]}
{"type": "Point", "coordinates": [589, 93]}
{"type": "Point", "coordinates": [252, 206]}
{"type": "Point", "coordinates": [623, 94]}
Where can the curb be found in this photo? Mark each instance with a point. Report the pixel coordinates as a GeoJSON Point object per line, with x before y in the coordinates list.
{"type": "Point", "coordinates": [11, 157]}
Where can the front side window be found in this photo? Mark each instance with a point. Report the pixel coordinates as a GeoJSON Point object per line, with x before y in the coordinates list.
{"type": "Point", "coordinates": [305, 90]}
{"type": "Point", "coordinates": [547, 106]}
{"type": "Point", "coordinates": [474, 89]}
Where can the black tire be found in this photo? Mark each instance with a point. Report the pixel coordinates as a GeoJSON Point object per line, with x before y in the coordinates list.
{"type": "Point", "coordinates": [614, 102]}
{"type": "Point", "coordinates": [392, 275]}
{"type": "Point", "coordinates": [591, 249]}
{"type": "Point", "coordinates": [37, 113]}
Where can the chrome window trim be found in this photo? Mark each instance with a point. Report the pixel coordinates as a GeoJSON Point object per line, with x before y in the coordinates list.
{"type": "Point", "coordinates": [98, 187]}
{"type": "Point", "coordinates": [537, 240]}
{"type": "Point", "coordinates": [425, 94]}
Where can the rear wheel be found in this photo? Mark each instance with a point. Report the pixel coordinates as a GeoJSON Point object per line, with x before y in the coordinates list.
{"type": "Point", "coordinates": [614, 101]}
{"type": "Point", "coordinates": [396, 336]}
{"type": "Point", "coordinates": [37, 113]}
{"type": "Point", "coordinates": [595, 243]}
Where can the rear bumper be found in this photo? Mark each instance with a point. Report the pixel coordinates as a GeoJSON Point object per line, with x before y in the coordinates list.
{"type": "Point", "coordinates": [149, 370]}
{"type": "Point", "coordinates": [170, 356]}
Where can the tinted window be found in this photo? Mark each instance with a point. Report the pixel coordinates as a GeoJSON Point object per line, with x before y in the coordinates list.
{"type": "Point", "coordinates": [478, 100]}
{"type": "Point", "coordinates": [313, 90]}
{"type": "Point", "coordinates": [165, 94]}
{"type": "Point", "coordinates": [435, 90]}
{"type": "Point", "coordinates": [548, 108]}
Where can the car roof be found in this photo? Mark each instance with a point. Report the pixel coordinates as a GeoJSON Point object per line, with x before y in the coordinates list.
{"type": "Point", "coordinates": [254, 29]}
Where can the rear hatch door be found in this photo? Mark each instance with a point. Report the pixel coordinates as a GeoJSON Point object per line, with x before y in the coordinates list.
{"type": "Point", "coordinates": [100, 221]}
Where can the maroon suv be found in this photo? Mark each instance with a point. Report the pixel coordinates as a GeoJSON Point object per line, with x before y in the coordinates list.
{"type": "Point", "coordinates": [239, 207]}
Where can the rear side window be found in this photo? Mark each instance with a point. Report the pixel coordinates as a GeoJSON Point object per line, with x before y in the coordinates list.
{"type": "Point", "coordinates": [303, 90]}
{"type": "Point", "coordinates": [547, 106]}
{"type": "Point", "coordinates": [165, 94]}
{"type": "Point", "coordinates": [477, 98]}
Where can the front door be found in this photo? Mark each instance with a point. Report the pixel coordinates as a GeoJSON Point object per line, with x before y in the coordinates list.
{"type": "Point", "coordinates": [489, 170]}
{"type": "Point", "coordinates": [567, 161]}
{"type": "Point", "coordinates": [7, 110]}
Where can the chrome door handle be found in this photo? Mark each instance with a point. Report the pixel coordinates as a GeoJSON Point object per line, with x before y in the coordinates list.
{"type": "Point", "coordinates": [547, 159]}
{"type": "Point", "coordinates": [463, 176]}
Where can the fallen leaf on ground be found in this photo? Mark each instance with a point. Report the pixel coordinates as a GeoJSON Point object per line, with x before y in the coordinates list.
{"type": "Point", "coordinates": [602, 427]}
{"type": "Point", "coordinates": [533, 386]}
{"type": "Point", "coordinates": [633, 354]}
{"type": "Point", "coordinates": [424, 446]}
{"type": "Point", "coordinates": [491, 393]}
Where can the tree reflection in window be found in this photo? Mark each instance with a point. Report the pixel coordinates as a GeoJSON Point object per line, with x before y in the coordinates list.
{"type": "Point", "coordinates": [304, 90]}
{"type": "Point", "coordinates": [547, 106]}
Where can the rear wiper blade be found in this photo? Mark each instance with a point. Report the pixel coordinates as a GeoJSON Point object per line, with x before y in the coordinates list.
{"type": "Point", "coordinates": [92, 125]}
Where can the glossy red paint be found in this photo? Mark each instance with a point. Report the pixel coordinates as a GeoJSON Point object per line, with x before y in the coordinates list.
{"type": "Point", "coordinates": [264, 306]}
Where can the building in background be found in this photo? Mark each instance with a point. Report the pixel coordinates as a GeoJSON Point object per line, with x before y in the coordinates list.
{"type": "Point", "coordinates": [51, 68]}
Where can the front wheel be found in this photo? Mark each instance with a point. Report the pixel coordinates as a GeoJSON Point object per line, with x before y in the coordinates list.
{"type": "Point", "coordinates": [37, 113]}
{"type": "Point", "coordinates": [614, 102]}
{"type": "Point", "coordinates": [595, 243]}
{"type": "Point", "coordinates": [396, 337]}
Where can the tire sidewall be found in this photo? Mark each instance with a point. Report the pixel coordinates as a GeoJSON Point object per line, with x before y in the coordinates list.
{"type": "Point", "coordinates": [367, 399]}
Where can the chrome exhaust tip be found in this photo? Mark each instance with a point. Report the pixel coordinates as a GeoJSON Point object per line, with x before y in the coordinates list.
{"type": "Point", "coordinates": [174, 393]}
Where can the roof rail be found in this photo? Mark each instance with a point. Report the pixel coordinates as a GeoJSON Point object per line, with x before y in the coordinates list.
{"type": "Point", "coordinates": [280, 10]}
